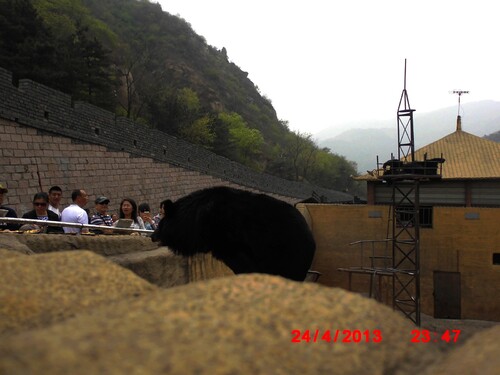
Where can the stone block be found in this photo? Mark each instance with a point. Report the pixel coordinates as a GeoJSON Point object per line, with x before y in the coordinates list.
{"type": "Point", "coordinates": [10, 241]}
{"type": "Point", "coordinates": [160, 267]}
{"type": "Point", "coordinates": [6, 254]}
{"type": "Point", "coordinates": [236, 325]}
{"type": "Point", "coordinates": [43, 289]}
{"type": "Point", "coordinates": [478, 355]}
{"type": "Point", "coordinates": [106, 245]}
{"type": "Point", "coordinates": [205, 267]}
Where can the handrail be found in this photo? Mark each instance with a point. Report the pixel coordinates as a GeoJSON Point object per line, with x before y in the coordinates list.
{"type": "Point", "coordinates": [52, 223]}
{"type": "Point", "coordinates": [373, 256]}
{"type": "Point", "coordinates": [370, 241]}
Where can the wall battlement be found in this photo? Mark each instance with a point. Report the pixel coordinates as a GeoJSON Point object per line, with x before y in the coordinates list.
{"type": "Point", "coordinates": [34, 105]}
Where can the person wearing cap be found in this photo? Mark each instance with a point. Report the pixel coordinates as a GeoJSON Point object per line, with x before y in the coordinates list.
{"type": "Point", "coordinates": [6, 211]}
{"type": "Point", "coordinates": [101, 216]}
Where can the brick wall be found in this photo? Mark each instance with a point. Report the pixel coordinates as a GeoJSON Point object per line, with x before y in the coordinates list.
{"type": "Point", "coordinates": [79, 145]}
{"type": "Point", "coordinates": [30, 159]}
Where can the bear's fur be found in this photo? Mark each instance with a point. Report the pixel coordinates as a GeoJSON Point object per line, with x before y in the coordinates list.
{"type": "Point", "coordinates": [248, 232]}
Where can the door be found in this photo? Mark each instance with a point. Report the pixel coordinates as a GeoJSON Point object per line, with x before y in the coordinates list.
{"type": "Point", "coordinates": [447, 295]}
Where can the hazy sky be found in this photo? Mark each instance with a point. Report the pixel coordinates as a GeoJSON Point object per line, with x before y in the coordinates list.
{"type": "Point", "coordinates": [325, 62]}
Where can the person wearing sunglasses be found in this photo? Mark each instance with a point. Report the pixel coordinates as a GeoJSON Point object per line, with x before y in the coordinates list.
{"type": "Point", "coordinates": [41, 212]}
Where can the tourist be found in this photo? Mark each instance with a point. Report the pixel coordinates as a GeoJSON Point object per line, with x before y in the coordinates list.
{"type": "Point", "coordinates": [101, 216]}
{"type": "Point", "coordinates": [6, 211]}
{"type": "Point", "coordinates": [55, 195]}
{"type": "Point", "coordinates": [145, 214]}
{"type": "Point", "coordinates": [41, 212]}
{"type": "Point", "coordinates": [128, 210]}
{"type": "Point", "coordinates": [157, 218]}
{"type": "Point", "coordinates": [75, 213]}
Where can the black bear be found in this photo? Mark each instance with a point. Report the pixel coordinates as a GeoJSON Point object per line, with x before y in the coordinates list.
{"type": "Point", "coordinates": [248, 232]}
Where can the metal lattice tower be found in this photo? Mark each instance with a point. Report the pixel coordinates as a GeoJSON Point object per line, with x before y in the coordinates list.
{"type": "Point", "coordinates": [405, 219]}
{"type": "Point", "coordinates": [404, 176]}
{"type": "Point", "coordinates": [406, 248]}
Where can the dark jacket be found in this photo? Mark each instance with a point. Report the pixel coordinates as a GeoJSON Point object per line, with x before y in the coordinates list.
{"type": "Point", "coordinates": [10, 213]}
{"type": "Point", "coordinates": [52, 217]}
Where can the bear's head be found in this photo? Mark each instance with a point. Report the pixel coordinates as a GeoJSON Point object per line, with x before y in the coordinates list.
{"type": "Point", "coordinates": [165, 226]}
{"type": "Point", "coordinates": [181, 228]}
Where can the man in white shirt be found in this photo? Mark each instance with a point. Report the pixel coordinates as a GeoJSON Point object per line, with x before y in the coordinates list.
{"type": "Point", "coordinates": [75, 213]}
{"type": "Point", "coordinates": [55, 195]}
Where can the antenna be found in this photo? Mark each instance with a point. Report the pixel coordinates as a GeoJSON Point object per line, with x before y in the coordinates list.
{"type": "Point", "coordinates": [459, 92]}
{"type": "Point", "coordinates": [404, 102]}
{"type": "Point", "coordinates": [406, 144]}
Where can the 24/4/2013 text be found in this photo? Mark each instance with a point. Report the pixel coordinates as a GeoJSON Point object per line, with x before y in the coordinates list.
{"type": "Point", "coordinates": [337, 335]}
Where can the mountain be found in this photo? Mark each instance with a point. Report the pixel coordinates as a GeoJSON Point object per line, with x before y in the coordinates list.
{"type": "Point", "coordinates": [363, 145]}
{"type": "Point", "coordinates": [495, 137]}
{"type": "Point", "coordinates": [366, 140]}
{"type": "Point", "coordinates": [131, 58]}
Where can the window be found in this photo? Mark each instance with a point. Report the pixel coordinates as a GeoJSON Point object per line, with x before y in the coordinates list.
{"type": "Point", "coordinates": [496, 259]}
{"type": "Point", "coordinates": [406, 213]}
{"type": "Point", "coordinates": [426, 216]}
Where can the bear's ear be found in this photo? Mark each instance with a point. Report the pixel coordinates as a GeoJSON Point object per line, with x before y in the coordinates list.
{"type": "Point", "coordinates": [168, 207]}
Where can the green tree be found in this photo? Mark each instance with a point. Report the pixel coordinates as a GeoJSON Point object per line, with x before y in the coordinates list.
{"type": "Point", "coordinates": [199, 132]}
{"type": "Point", "coordinates": [89, 69]}
{"type": "Point", "coordinates": [27, 47]}
{"type": "Point", "coordinates": [64, 17]}
{"type": "Point", "coordinates": [334, 171]}
{"type": "Point", "coordinates": [247, 141]}
{"type": "Point", "coordinates": [301, 151]}
{"type": "Point", "coordinates": [172, 110]}
{"type": "Point", "coordinates": [222, 144]}
{"type": "Point", "coordinates": [189, 101]}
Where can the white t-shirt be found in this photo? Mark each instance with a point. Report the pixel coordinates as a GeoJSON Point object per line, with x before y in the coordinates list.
{"type": "Point", "coordinates": [139, 224]}
{"type": "Point", "coordinates": [74, 214]}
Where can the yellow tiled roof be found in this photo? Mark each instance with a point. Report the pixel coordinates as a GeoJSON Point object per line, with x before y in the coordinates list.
{"type": "Point", "coordinates": [466, 156]}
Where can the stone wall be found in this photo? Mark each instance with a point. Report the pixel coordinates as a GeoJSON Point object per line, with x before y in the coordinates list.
{"type": "Point", "coordinates": [86, 316]}
{"type": "Point", "coordinates": [158, 265]}
{"type": "Point", "coordinates": [46, 139]}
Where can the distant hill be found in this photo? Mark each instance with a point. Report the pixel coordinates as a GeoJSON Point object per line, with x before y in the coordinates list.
{"type": "Point", "coordinates": [494, 136]}
{"type": "Point", "coordinates": [365, 140]}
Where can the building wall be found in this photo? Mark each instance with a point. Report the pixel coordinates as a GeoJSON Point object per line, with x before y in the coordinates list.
{"type": "Point", "coordinates": [461, 240]}
{"type": "Point", "coordinates": [445, 192]}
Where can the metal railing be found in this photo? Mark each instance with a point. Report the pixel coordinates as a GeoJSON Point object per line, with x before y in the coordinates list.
{"type": "Point", "coordinates": [52, 223]}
